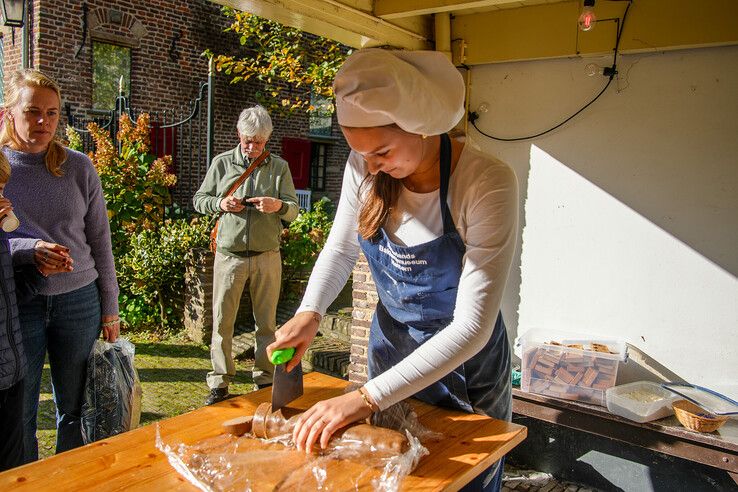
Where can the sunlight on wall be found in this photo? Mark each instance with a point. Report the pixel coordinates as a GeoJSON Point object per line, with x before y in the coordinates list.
{"type": "Point", "coordinates": [590, 264]}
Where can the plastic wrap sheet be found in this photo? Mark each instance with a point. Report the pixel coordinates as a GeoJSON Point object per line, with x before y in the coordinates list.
{"type": "Point", "coordinates": [229, 463]}
{"type": "Point", "coordinates": [112, 395]}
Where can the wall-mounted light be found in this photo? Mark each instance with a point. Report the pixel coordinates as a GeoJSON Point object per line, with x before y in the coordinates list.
{"type": "Point", "coordinates": [587, 18]}
{"type": "Point", "coordinates": [14, 12]}
{"type": "Point", "coordinates": [481, 109]}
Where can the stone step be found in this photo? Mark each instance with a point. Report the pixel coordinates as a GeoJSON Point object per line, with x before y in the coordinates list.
{"type": "Point", "coordinates": [327, 354]}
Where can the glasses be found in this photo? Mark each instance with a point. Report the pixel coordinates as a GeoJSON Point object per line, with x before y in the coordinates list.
{"type": "Point", "coordinates": [255, 142]}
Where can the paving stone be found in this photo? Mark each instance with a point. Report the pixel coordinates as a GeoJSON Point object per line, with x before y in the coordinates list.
{"type": "Point", "coordinates": [546, 488]}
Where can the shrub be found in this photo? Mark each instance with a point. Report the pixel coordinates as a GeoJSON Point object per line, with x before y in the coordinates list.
{"type": "Point", "coordinates": [152, 271]}
{"type": "Point", "coordinates": [151, 237]}
{"type": "Point", "coordinates": [302, 241]}
{"type": "Point", "coordinates": [135, 183]}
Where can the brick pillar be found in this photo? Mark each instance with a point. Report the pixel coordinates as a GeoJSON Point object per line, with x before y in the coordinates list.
{"type": "Point", "coordinates": [198, 304]}
{"type": "Point", "coordinates": [364, 302]}
{"type": "Point", "coordinates": [198, 299]}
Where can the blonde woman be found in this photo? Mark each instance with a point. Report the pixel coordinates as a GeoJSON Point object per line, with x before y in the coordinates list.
{"type": "Point", "coordinates": [64, 232]}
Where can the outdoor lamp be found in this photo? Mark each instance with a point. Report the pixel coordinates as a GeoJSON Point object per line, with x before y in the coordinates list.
{"type": "Point", "coordinates": [587, 19]}
{"type": "Point", "coordinates": [14, 12]}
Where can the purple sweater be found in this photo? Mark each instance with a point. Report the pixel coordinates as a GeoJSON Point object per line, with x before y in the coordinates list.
{"type": "Point", "coordinates": [69, 210]}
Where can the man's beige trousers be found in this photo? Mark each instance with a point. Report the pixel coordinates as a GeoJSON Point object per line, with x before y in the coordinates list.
{"type": "Point", "coordinates": [263, 273]}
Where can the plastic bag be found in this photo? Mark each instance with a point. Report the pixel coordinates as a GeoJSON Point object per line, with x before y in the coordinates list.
{"type": "Point", "coordinates": [252, 464]}
{"type": "Point", "coordinates": [247, 464]}
{"type": "Point", "coordinates": [112, 396]}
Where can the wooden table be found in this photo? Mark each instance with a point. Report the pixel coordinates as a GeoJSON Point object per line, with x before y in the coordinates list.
{"type": "Point", "coordinates": [131, 461]}
{"type": "Point", "coordinates": [716, 449]}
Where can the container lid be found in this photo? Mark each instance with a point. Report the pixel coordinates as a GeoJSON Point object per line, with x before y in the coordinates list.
{"type": "Point", "coordinates": [618, 349]}
{"type": "Point", "coordinates": [710, 400]}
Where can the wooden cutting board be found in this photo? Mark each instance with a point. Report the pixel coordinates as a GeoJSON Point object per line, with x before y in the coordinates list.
{"type": "Point", "coordinates": [131, 461]}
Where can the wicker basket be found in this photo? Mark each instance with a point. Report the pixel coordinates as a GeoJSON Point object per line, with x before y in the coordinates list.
{"type": "Point", "coordinates": [694, 418]}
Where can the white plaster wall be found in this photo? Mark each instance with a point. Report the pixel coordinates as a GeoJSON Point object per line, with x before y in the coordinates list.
{"type": "Point", "coordinates": [629, 213]}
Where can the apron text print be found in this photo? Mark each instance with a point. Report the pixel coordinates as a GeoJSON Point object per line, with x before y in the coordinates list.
{"type": "Point", "coordinates": [401, 261]}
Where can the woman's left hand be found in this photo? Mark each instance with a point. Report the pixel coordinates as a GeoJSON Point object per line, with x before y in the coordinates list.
{"type": "Point", "coordinates": [324, 418]}
{"type": "Point", "coordinates": [110, 327]}
{"type": "Point", "coordinates": [266, 204]}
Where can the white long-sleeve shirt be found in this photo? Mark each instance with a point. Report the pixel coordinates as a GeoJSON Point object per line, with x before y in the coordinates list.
{"type": "Point", "coordinates": [483, 199]}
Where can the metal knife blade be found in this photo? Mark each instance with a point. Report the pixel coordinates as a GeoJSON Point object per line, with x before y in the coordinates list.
{"type": "Point", "coordinates": [286, 386]}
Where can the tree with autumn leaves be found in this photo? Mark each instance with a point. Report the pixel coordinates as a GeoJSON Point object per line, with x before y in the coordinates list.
{"type": "Point", "coordinates": [293, 67]}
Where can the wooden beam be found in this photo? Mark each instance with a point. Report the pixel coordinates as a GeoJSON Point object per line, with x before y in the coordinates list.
{"type": "Point", "coordinates": [396, 9]}
{"type": "Point", "coordinates": [338, 21]}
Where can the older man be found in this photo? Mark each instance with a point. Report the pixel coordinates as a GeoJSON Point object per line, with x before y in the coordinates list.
{"type": "Point", "coordinates": [247, 243]}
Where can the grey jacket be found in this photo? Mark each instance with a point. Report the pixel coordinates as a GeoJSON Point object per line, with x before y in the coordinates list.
{"type": "Point", "coordinates": [248, 230]}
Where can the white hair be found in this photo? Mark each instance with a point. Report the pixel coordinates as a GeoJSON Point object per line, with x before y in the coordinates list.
{"type": "Point", "coordinates": [255, 122]}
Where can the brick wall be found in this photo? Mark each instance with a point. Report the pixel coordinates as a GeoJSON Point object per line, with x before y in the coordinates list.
{"type": "Point", "coordinates": [166, 76]}
{"type": "Point", "coordinates": [167, 38]}
{"type": "Point", "coordinates": [364, 302]}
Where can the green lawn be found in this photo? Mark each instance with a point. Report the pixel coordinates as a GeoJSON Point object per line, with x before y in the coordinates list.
{"type": "Point", "coordinates": [172, 373]}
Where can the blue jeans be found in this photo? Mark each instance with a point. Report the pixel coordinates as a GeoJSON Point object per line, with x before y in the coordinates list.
{"type": "Point", "coordinates": [66, 325]}
{"type": "Point", "coordinates": [485, 483]}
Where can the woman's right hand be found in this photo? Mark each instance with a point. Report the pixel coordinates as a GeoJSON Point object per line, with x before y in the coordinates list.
{"type": "Point", "coordinates": [52, 258]}
{"type": "Point", "coordinates": [5, 205]}
{"type": "Point", "coordinates": [298, 333]}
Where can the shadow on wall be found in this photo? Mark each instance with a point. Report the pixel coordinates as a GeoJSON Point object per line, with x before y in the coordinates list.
{"type": "Point", "coordinates": [660, 140]}
{"type": "Point", "coordinates": [592, 265]}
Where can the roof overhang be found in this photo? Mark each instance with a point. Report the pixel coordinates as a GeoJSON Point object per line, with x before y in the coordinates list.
{"type": "Point", "coordinates": [490, 31]}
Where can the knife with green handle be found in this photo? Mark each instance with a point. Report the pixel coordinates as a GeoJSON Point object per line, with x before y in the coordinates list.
{"type": "Point", "coordinates": [286, 386]}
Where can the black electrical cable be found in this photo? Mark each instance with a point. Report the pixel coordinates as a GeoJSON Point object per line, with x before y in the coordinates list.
{"type": "Point", "coordinates": [609, 71]}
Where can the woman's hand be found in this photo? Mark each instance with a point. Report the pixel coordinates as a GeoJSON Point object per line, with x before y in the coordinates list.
{"type": "Point", "coordinates": [324, 418]}
{"type": "Point", "coordinates": [52, 258]}
{"type": "Point", "coordinates": [110, 327]}
{"type": "Point", "coordinates": [266, 204]}
{"type": "Point", "coordinates": [297, 333]}
{"type": "Point", "coordinates": [5, 207]}
{"type": "Point", "coordinates": [231, 204]}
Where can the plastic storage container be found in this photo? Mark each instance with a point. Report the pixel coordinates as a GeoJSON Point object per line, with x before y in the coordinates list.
{"type": "Point", "coordinates": [642, 401]}
{"type": "Point", "coordinates": [568, 365]}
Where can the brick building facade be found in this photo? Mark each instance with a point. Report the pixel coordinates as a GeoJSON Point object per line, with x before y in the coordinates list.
{"type": "Point", "coordinates": [166, 40]}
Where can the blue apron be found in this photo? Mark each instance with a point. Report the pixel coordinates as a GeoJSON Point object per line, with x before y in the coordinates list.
{"type": "Point", "coordinates": [417, 287]}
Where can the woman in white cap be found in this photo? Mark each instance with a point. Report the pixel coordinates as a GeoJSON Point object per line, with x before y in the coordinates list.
{"type": "Point", "coordinates": [437, 222]}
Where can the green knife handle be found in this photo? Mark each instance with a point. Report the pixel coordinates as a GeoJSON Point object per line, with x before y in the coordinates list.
{"type": "Point", "coordinates": [280, 356]}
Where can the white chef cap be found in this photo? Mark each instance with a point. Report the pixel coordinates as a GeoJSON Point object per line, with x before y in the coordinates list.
{"type": "Point", "coordinates": [419, 91]}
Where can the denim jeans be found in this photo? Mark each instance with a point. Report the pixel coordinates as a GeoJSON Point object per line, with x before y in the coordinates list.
{"type": "Point", "coordinates": [11, 426]}
{"type": "Point", "coordinates": [66, 325]}
{"type": "Point", "coordinates": [486, 483]}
